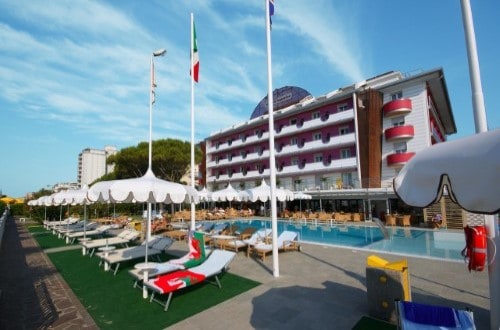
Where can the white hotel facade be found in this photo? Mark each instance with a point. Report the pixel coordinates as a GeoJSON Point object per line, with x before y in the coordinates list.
{"type": "Point", "coordinates": [351, 141]}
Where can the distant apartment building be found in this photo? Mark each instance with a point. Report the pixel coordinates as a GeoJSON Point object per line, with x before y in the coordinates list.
{"type": "Point", "coordinates": [355, 137]}
{"type": "Point", "coordinates": [92, 164]}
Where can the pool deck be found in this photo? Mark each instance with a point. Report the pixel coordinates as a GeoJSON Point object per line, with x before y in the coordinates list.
{"type": "Point", "coordinates": [320, 287]}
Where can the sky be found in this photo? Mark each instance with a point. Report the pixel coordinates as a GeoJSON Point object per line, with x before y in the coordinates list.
{"type": "Point", "coordinates": [76, 74]}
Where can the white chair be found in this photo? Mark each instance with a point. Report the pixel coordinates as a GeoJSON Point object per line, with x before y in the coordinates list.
{"type": "Point", "coordinates": [287, 241]}
{"type": "Point", "coordinates": [123, 238]}
{"type": "Point", "coordinates": [156, 246]}
{"type": "Point", "coordinates": [216, 263]}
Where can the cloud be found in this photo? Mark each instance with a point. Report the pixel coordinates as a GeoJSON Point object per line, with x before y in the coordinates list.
{"type": "Point", "coordinates": [327, 32]}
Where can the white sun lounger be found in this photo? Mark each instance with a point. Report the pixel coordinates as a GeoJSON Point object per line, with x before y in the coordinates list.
{"type": "Point", "coordinates": [157, 245]}
{"type": "Point", "coordinates": [236, 244]}
{"type": "Point", "coordinates": [216, 263]}
{"type": "Point", "coordinates": [123, 238]}
{"type": "Point", "coordinates": [287, 241]}
{"type": "Point", "coordinates": [99, 231]}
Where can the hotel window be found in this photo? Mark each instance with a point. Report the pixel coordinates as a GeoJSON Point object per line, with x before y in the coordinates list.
{"type": "Point", "coordinates": [315, 115]}
{"type": "Point", "coordinates": [294, 141]}
{"type": "Point", "coordinates": [243, 153]}
{"type": "Point", "coordinates": [344, 130]}
{"type": "Point", "coordinates": [229, 142]}
{"type": "Point", "coordinates": [342, 107]}
{"type": "Point", "coordinates": [229, 157]}
{"type": "Point", "coordinates": [396, 96]}
{"type": "Point", "coordinates": [398, 121]}
{"type": "Point", "coordinates": [400, 147]}
{"type": "Point", "coordinates": [294, 161]}
{"type": "Point", "coordinates": [317, 136]}
{"type": "Point", "coordinates": [293, 121]}
{"type": "Point", "coordinates": [217, 158]}
{"type": "Point", "coordinates": [217, 145]}
{"type": "Point", "coordinates": [318, 158]}
{"type": "Point", "coordinates": [345, 153]}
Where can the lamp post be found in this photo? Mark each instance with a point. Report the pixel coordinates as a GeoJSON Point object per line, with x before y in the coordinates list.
{"type": "Point", "coordinates": [157, 53]}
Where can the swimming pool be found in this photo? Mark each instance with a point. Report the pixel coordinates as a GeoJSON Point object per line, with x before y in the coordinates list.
{"type": "Point", "coordinates": [403, 241]}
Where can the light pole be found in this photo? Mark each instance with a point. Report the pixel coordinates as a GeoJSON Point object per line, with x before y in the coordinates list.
{"type": "Point", "coordinates": [159, 52]}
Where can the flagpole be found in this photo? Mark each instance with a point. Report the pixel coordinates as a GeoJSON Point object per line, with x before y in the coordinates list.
{"type": "Point", "coordinates": [272, 161]}
{"type": "Point", "coordinates": [482, 126]}
{"type": "Point", "coordinates": [192, 119]}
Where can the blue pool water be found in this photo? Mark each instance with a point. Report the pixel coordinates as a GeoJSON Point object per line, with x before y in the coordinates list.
{"type": "Point", "coordinates": [404, 241]}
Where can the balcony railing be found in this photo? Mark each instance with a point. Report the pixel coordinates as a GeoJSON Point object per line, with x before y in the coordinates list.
{"type": "Point", "coordinates": [399, 159]}
{"type": "Point", "coordinates": [399, 133]}
{"type": "Point", "coordinates": [397, 107]}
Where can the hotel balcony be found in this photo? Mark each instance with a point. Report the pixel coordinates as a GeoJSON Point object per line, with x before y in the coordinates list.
{"type": "Point", "coordinates": [397, 107]}
{"type": "Point", "coordinates": [399, 159]}
{"type": "Point", "coordinates": [334, 165]}
{"type": "Point", "coordinates": [399, 133]}
{"type": "Point", "coordinates": [312, 146]}
{"type": "Point", "coordinates": [327, 120]}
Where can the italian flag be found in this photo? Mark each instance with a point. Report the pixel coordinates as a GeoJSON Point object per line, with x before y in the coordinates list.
{"type": "Point", "coordinates": [195, 61]}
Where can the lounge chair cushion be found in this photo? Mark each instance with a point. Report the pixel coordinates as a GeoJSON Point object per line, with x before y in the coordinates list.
{"type": "Point", "coordinates": [433, 315]}
{"type": "Point", "coordinates": [177, 280]}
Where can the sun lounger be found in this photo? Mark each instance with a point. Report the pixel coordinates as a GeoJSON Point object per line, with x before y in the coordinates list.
{"type": "Point", "coordinates": [415, 316]}
{"type": "Point", "coordinates": [195, 256]}
{"type": "Point", "coordinates": [213, 266]}
{"type": "Point", "coordinates": [79, 226]}
{"type": "Point", "coordinates": [236, 244]}
{"type": "Point", "coordinates": [178, 235]}
{"type": "Point", "coordinates": [67, 221]}
{"type": "Point", "coordinates": [123, 238]}
{"type": "Point", "coordinates": [287, 241]}
{"type": "Point", "coordinates": [99, 231]}
{"type": "Point", "coordinates": [157, 245]}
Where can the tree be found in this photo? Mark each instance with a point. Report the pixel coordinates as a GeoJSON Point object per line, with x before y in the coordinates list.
{"type": "Point", "coordinates": [170, 159]}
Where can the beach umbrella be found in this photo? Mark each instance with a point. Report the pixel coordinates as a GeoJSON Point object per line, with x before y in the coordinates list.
{"type": "Point", "coordinates": [300, 196]}
{"type": "Point", "coordinates": [146, 189]}
{"type": "Point", "coordinates": [263, 193]}
{"type": "Point", "coordinates": [469, 168]}
{"type": "Point", "coordinates": [205, 195]}
{"type": "Point", "coordinates": [228, 194]}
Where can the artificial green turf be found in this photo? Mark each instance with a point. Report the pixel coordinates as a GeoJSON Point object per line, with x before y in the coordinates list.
{"type": "Point", "coordinates": [45, 238]}
{"type": "Point", "coordinates": [113, 303]}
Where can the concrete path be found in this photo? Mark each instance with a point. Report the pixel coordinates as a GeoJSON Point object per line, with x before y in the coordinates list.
{"type": "Point", "coordinates": [318, 288]}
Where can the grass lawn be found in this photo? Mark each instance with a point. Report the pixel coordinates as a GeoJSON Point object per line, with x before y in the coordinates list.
{"type": "Point", "coordinates": [113, 303]}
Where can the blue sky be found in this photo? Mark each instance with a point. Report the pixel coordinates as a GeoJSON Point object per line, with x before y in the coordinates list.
{"type": "Point", "coordinates": [75, 74]}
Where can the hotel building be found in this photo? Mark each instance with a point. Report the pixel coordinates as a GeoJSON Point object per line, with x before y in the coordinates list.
{"type": "Point", "coordinates": [348, 142]}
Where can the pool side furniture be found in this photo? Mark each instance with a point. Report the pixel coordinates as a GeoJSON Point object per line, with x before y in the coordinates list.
{"type": "Point", "coordinates": [236, 244]}
{"type": "Point", "coordinates": [215, 265]}
{"type": "Point", "coordinates": [156, 246]}
{"type": "Point", "coordinates": [287, 241]}
{"type": "Point", "coordinates": [390, 220]}
{"type": "Point", "coordinates": [413, 316]}
{"type": "Point", "coordinates": [195, 256]}
{"type": "Point", "coordinates": [123, 238]}
{"type": "Point", "coordinates": [99, 231]}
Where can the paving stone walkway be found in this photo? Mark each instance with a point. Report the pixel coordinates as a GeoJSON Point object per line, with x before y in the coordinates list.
{"type": "Point", "coordinates": [33, 294]}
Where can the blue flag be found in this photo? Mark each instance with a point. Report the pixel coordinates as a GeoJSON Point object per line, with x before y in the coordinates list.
{"type": "Point", "coordinates": [271, 11]}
